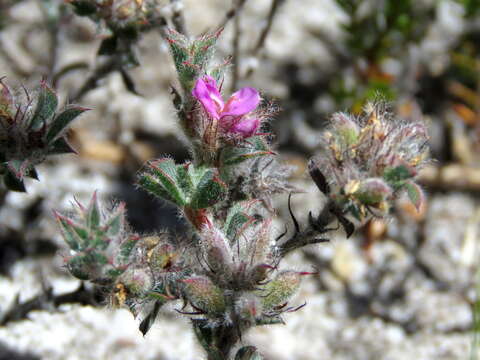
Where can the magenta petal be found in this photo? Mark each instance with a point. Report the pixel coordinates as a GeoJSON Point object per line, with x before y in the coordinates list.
{"type": "Point", "coordinates": [241, 102]}
{"type": "Point", "coordinates": [207, 93]}
{"type": "Point", "coordinates": [211, 84]}
{"type": "Point", "coordinates": [246, 127]}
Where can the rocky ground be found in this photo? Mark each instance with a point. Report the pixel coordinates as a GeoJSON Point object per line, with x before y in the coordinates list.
{"type": "Point", "coordinates": [402, 288]}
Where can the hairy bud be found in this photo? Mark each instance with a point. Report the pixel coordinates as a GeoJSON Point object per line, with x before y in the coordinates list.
{"type": "Point", "coordinates": [205, 295]}
{"type": "Point", "coordinates": [217, 251]}
{"type": "Point", "coordinates": [137, 281]}
{"type": "Point", "coordinates": [367, 162]}
{"type": "Point", "coordinates": [374, 192]}
{"type": "Point", "coordinates": [162, 257]}
{"type": "Point", "coordinates": [278, 291]}
{"type": "Point", "coordinates": [248, 307]}
{"type": "Point", "coordinates": [348, 130]}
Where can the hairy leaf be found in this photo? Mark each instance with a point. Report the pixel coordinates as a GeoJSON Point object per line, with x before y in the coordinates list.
{"type": "Point", "coordinates": [46, 105]}
{"type": "Point", "coordinates": [61, 122]}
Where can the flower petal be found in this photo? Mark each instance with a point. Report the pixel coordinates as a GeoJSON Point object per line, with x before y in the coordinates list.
{"type": "Point", "coordinates": [241, 102]}
{"type": "Point", "coordinates": [207, 93]}
{"type": "Point", "coordinates": [246, 127]}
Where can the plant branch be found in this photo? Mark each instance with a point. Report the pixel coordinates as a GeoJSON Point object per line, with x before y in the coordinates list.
{"type": "Point", "coordinates": [47, 301]}
{"type": "Point", "coordinates": [67, 69]}
{"type": "Point", "coordinates": [310, 235]}
{"type": "Point", "coordinates": [92, 81]}
{"type": "Point", "coordinates": [178, 19]}
{"type": "Point", "coordinates": [234, 10]}
{"type": "Point", "coordinates": [236, 52]}
{"type": "Point", "coordinates": [266, 30]}
{"type": "Point", "coordinates": [10, 60]}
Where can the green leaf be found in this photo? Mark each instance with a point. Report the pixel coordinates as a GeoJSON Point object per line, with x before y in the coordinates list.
{"type": "Point", "coordinates": [255, 146]}
{"type": "Point", "coordinates": [209, 191]}
{"type": "Point", "coordinates": [248, 353]}
{"type": "Point", "coordinates": [354, 211]}
{"type": "Point", "coordinates": [108, 46]}
{"type": "Point", "coordinates": [46, 105]}
{"type": "Point", "coordinates": [236, 224]}
{"type": "Point", "coordinates": [237, 218]}
{"type": "Point", "coordinates": [76, 233]}
{"type": "Point", "coordinates": [280, 289]}
{"type": "Point", "coordinates": [84, 7]}
{"type": "Point", "coordinates": [184, 180]}
{"type": "Point", "coordinates": [59, 124]}
{"type": "Point", "coordinates": [77, 266]}
{"type": "Point", "coordinates": [60, 146]}
{"type": "Point", "coordinates": [186, 75]}
{"type": "Point", "coordinates": [179, 52]}
{"type": "Point", "coordinates": [158, 296]}
{"type": "Point", "coordinates": [165, 181]}
{"type": "Point", "coordinates": [126, 249]}
{"type": "Point", "coordinates": [93, 213]}
{"type": "Point", "coordinates": [149, 320]}
{"type": "Point", "coordinates": [18, 168]}
{"type": "Point", "coordinates": [98, 239]}
{"type": "Point", "coordinates": [217, 72]}
{"type": "Point", "coordinates": [206, 337]}
{"type": "Point", "coordinates": [203, 49]}
{"type": "Point", "coordinates": [13, 183]}
{"type": "Point", "coordinates": [97, 258]}
{"type": "Point", "coordinates": [81, 232]}
{"type": "Point", "coordinates": [114, 273]}
{"type": "Point", "coordinates": [68, 234]}
{"type": "Point", "coordinates": [258, 143]}
{"type": "Point", "coordinates": [151, 185]}
{"type": "Point", "coordinates": [269, 320]}
{"type": "Point", "coordinates": [396, 176]}
{"type": "Point", "coordinates": [196, 174]}
{"type": "Point", "coordinates": [32, 173]}
{"type": "Point", "coordinates": [415, 194]}
{"type": "Point", "coordinates": [116, 221]}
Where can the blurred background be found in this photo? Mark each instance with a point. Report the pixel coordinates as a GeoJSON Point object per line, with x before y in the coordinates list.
{"type": "Point", "coordinates": [401, 288]}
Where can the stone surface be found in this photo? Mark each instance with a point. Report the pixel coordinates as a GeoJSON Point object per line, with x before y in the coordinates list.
{"type": "Point", "coordinates": [404, 298]}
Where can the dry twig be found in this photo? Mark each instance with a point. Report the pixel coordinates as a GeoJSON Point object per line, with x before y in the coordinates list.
{"type": "Point", "coordinates": [234, 10]}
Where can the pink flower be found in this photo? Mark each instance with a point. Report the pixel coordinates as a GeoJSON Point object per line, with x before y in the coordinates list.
{"type": "Point", "coordinates": [233, 116]}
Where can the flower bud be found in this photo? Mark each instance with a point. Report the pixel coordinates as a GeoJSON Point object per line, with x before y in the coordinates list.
{"type": "Point", "coordinates": [205, 295]}
{"type": "Point", "coordinates": [281, 289]}
{"type": "Point", "coordinates": [259, 273]}
{"type": "Point", "coordinates": [373, 191]}
{"type": "Point", "coordinates": [247, 127]}
{"type": "Point", "coordinates": [262, 243]}
{"type": "Point", "coordinates": [248, 307]}
{"type": "Point", "coordinates": [80, 268]}
{"type": "Point", "coordinates": [137, 281]}
{"type": "Point", "coordinates": [346, 128]}
{"type": "Point", "coordinates": [217, 251]}
{"type": "Point", "coordinates": [162, 257]}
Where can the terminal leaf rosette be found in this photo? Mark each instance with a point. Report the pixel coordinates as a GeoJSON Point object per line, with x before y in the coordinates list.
{"type": "Point", "coordinates": [191, 57]}
{"type": "Point", "coordinates": [30, 131]}
{"type": "Point", "coordinates": [100, 242]}
{"type": "Point", "coordinates": [367, 162]}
